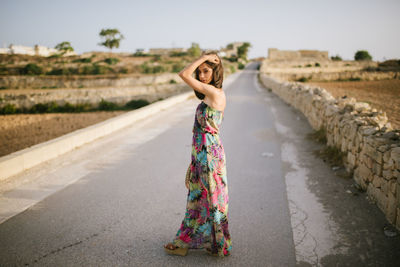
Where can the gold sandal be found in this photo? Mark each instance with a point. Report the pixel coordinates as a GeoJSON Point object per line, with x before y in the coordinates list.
{"type": "Point", "coordinates": [177, 251]}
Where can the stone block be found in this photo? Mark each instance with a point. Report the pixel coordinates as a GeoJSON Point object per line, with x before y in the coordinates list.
{"type": "Point", "coordinates": [391, 208]}
{"type": "Point", "coordinates": [398, 194]}
{"type": "Point", "coordinates": [351, 159]}
{"type": "Point", "coordinates": [363, 172]}
{"type": "Point", "coordinates": [398, 218]}
{"type": "Point", "coordinates": [389, 165]}
{"type": "Point", "coordinates": [386, 156]}
{"type": "Point", "coordinates": [387, 174]}
{"type": "Point", "coordinates": [381, 200]}
{"type": "Point", "coordinates": [393, 186]}
{"type": "Point", "coordinates": [377, 181]}
{"type": "Point", "coordinates": [384, 186]}
{"type": "Point", "coordinates": [377, 168]}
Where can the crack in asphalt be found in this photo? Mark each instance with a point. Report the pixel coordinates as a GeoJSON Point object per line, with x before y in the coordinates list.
{"type": "Point", "coordinates": [55, 251]}
{"type": "Point", "coordinates": [298, 225]}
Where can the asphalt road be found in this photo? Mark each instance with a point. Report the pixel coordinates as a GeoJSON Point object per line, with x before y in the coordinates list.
{"type": "Point", "coordinates": [117, 201]}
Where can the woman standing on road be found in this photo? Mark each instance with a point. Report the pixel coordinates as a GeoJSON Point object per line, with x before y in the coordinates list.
{"type": "Point", "coordinates": [205, 224]}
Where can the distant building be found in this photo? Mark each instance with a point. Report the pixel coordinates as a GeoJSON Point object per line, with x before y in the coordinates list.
{"type": "Point", "coordinates": [37, 50]}
{"type": "Point", "coordinates": [166, 51]}
{"type": "Point", "coordinates": [275, 54]}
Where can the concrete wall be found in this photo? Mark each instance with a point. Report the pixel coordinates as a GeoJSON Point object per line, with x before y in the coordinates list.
{"type": "Point", "coordinates": [371, 146]}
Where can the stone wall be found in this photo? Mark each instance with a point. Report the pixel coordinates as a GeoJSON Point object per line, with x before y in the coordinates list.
{"type": "Point", "coordinates": [293, 70]}
{"type": "Point", "coordinates": [275, 54]}
{"type": "Point", "coordinates": [87, 81]}
{"type": "Point", "coordinates": [363, 134]}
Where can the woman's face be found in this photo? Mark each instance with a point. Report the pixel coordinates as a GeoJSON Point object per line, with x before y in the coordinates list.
{"type": "Point", "coordinates": [205, 73]}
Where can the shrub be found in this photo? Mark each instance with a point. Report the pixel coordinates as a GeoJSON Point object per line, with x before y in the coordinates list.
{"type": "Point", "coordinates": [336, 58]}
{"type": "Point", "coordinates": [32, 69]}
{"type": "Point", "coordinates": [172, 81]}
{"type": "Point", "coordinates": [362, 55]}
{"type": "Point", "coordinates": [123, 70]}
{"type": "Point", "coordinates": [83, 60]}
{"type": "Point", "coordinates": [231, 59]}
{"type": "Point", "coordinates": [240, 66]}
{"type": "Point", "coordinates": [111, 60]}
{"type": "Point", "coordinates": [317, 64]}
{"type": "Point", "coordinates": [134, 104]}
{"type": "Point", "coordinates": [105, 105]}
{"type": "Point", "coordinates": [177, 67]}
{"type": "Point", "coordinates": [302, 80]}
{"type": "Point", "coordinates": [151, 69]}
{"type": "Point", "coordinates": [8, 109]}
{"type": "Point", "coordinates": [178, 54]}
{"type": "Point", "coordinates": [62, 71]}
{"type": "Point", "coordinates": [232, 68]}
{"type": "Point", "coordinates": [308, 65]}
{"type": "Point", "coordinates": [40, 108]}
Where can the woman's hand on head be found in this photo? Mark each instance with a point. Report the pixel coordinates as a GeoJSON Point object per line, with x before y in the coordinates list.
{"type": "Point", "coordinates": [212, 58]}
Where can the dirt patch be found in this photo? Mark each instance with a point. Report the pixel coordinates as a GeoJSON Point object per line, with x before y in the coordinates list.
{"type": "Point", "coordinates": [24, 130]}
{"type": "Point", "coordinates": [383, 95]}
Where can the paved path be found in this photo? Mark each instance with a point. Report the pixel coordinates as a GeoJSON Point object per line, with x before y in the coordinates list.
{"type": "Point", "coordinates": [115, 202]}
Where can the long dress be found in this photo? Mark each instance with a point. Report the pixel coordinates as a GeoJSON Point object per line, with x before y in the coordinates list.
{"type": "Point", "coordinates": [205, 224]}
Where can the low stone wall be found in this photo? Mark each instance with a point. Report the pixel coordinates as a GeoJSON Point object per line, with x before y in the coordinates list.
{"type": "Point", "coordinates": [28, 98]}
{"type": "Point", "coordinates": [87, 81]}
{"type": "Point", "coordinates": [326, 71]}
{"type": "Point", "coordinates": [371, 146]}
{"type": "Point", "coordinates": [336, 76]}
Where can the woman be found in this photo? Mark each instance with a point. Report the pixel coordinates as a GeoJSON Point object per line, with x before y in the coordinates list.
{"type": "Point", "coordinates": [205, 224]}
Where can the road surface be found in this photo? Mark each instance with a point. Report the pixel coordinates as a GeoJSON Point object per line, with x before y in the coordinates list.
{"type": "Point", "coordinates": [117, 201]}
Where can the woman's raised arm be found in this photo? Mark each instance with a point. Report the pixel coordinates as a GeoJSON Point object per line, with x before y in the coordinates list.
{"type": "Point", "coordinates": [186, 75]}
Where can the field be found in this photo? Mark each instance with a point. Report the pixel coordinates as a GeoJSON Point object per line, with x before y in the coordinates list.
{"type": "Point", "coordinates": [383, 95]}
{"type": "Point", "coordinates": [24, 130]}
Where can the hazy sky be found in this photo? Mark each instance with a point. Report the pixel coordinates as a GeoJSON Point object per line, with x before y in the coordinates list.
{"type": "Point", "coordinates": [338, 26]}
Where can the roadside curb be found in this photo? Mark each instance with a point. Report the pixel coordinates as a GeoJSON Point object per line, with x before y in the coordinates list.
{"type": "Point", "coordinates": [21, 160]}
{"type": "Point", "coordinates": [24, 159]}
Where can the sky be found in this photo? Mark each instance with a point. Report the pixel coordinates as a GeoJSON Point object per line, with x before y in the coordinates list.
{"type": "Point", "coordinates": [341, 27]}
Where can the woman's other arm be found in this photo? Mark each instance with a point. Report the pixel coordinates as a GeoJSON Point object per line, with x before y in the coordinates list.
{"type": "Point", "coordinates": [186, 75]}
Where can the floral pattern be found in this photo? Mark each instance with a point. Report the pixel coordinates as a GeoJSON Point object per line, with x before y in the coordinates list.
{"type": "Point", "coordinates": [205, 224]}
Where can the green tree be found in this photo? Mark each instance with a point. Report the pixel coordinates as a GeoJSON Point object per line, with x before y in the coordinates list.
{"type": "Point", "coordinates": [111, 37]}
{"type": "Point", "coordinates": [229, 46]}
{"type": "Point", "coordinates": [336, 58]}
{"type": "Point", "coordinates": [242, 50]}
{"type": "Point", "coordinates": [64, 47]}
{"type": "Point", "coordinates": [362, 55]}
{"type": "Point", "coordinates": [194, 50]}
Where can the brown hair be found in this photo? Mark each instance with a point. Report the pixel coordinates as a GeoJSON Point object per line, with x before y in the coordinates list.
{"type": "Point", "coordinates": [217, 75]}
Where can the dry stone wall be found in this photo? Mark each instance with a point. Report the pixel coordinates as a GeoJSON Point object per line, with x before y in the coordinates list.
{"type": "Point", "coordinates": [363, 134]}
{"type": "Point", "coordinates": [89, 81]}
{"type": "Point", "coordinates": [28, 98]}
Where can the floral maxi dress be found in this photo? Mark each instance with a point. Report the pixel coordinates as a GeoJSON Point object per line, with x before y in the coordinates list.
{"type": "Point", "coordinates": [205, 224]}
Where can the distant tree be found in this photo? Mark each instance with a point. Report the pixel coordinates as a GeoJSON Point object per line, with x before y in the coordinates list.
{"type": "Point", "coordinates": [362, 55]}
{"type": "Point", "coordinates": [229, 46]}
{"type": "Point", "coordinates": [242, 50]}
{"type": "Point", "coordinates": [111, 37]}
{"type": "Point", "coordinates": [194, 50]}
{"type": "Point", "coordinates": [336, 58]}
{"type": "Point", "coordinates": [64, 47]}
